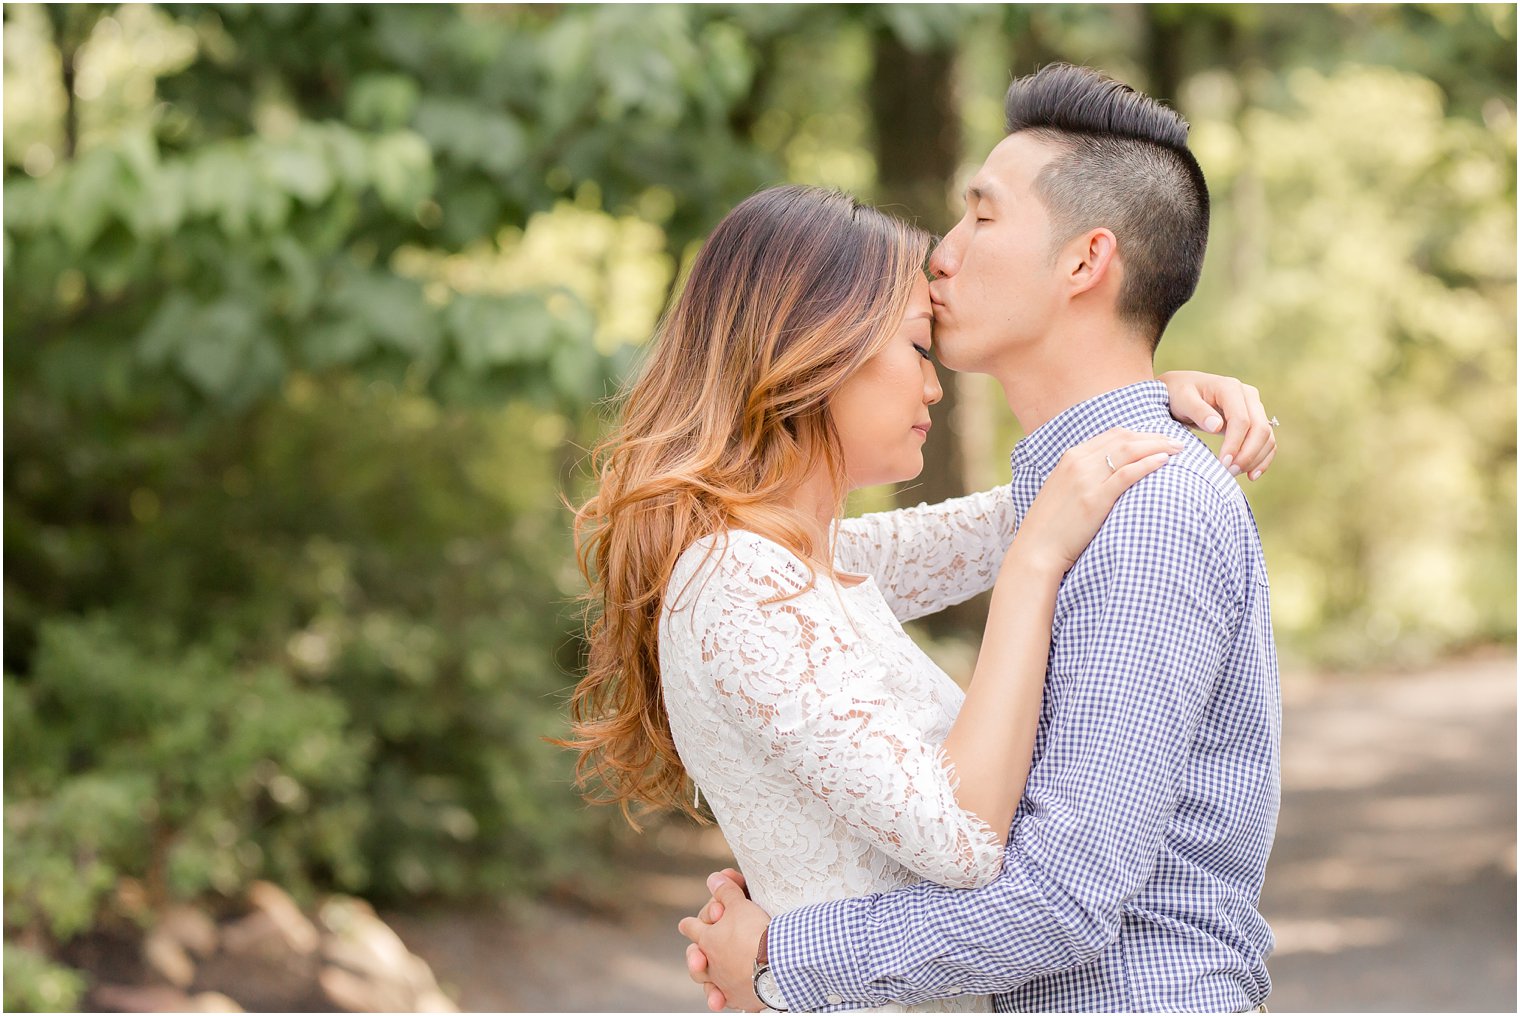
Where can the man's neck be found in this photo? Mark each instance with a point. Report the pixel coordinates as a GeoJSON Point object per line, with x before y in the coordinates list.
{"type": "Point", "coordinates": [1065, 370]}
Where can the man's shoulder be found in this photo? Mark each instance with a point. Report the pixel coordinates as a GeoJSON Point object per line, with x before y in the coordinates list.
{"type": "Point", "coordinates": [1194, 483]}
{"type": "Point", "coordinates": [1191, 505]}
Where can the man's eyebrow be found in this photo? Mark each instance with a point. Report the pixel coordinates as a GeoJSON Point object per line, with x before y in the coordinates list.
{"type": "Point", "coordinates": [981, 194]}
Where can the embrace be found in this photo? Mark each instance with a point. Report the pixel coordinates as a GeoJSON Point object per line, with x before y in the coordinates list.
{"type": "Point", "coordinates": [1086, 828]}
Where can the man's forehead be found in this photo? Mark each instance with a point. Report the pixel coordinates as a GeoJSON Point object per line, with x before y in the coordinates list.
{"type": "Point", "coordinates": [1011, 166]}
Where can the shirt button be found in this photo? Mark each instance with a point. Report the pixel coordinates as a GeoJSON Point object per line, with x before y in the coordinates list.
{"type": "Point", "coordinates": [833, 998]}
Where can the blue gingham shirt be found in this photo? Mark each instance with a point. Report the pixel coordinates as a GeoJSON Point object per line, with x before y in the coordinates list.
{"type": "Point", "coordinates": [1135, 861]}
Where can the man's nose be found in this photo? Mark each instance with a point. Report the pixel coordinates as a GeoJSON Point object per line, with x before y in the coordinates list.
{"type": "Point", "coordinates": [945, 261]}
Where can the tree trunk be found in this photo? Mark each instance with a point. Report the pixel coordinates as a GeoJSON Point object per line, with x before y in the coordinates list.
{"type": "Point", "coordinates": [917, 147]}
{"type": "Point", "coordinates": [1163, 52]}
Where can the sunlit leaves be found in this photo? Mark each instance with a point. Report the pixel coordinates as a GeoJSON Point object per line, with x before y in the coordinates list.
{"type": "Point", "coordinates": [1362, 274]}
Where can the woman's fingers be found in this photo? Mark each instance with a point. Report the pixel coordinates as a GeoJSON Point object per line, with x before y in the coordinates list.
{"type": "Point", "coordinates": [1118, 447]}
{"type": "Point", "coordinates": [1261, 467]}
{"type": "Point", "coordinates": [1126, 476]}
{"type": "Point", "coordinates": [1257, 438]}
{"type": "Point", "coordinates": [1235, 405]}
{"type": "Point", "coordinates": [1189, 405]}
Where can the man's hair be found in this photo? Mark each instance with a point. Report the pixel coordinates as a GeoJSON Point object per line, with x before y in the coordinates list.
{"type": "Point", "coordinates": [1124, 165]}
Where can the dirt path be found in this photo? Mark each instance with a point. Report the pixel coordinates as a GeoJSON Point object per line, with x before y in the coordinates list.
{"type": "Point", "coordinates": [1392, 883]}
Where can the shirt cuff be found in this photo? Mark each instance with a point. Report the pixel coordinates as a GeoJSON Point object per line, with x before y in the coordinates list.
{"type": "Point", "coordinates": [813, 958]}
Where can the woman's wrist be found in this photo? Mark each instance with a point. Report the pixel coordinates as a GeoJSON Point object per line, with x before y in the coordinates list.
{"type": "Point", "coordinates": [1027, 562]}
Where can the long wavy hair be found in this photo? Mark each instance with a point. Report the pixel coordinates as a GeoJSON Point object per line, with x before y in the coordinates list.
{"type": "Point", "coordinates": [727, 418]}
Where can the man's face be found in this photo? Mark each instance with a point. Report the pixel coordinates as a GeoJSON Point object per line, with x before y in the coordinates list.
{"type": "Point", "coordinates": [995, 287]}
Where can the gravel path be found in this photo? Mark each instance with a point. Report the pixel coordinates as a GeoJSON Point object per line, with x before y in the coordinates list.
{"type": "Point", "coordinates": [1391, 888]}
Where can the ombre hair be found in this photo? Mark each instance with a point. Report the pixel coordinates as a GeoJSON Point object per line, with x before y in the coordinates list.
{"type": "Point", "coordinates": [729, 415]}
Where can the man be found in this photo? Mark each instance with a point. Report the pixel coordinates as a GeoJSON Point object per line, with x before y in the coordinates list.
{"type": "Point", "coordinates": [1135, 862]}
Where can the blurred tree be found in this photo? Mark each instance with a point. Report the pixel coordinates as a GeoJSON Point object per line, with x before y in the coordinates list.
{"type": "Point", "coordinates": [917, 145]}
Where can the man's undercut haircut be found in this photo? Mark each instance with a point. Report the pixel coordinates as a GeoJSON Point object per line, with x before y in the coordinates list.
{"type": "Point", "coordinates": [1125, 165]}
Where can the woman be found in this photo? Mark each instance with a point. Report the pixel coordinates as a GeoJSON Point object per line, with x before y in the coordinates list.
{"type": "Point", "coordinates": [748, 640]}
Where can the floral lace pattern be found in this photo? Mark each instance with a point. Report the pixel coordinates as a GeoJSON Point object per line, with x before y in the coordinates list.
{"type": "Point", "coordinates": [813, 726]}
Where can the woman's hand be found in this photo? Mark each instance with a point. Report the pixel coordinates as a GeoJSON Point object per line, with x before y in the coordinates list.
{"type": "Point", "coordinates": [1080, 491]}
{"type": "Point", "coordinates": [1211, 402]}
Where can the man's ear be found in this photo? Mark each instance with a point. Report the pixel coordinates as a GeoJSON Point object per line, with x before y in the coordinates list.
{"type": "Point", "coordinates": [1093, 255]}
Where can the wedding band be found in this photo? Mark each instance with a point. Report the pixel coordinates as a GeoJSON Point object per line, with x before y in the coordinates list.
{"type": "Point", "coordinates": [1274, 422]}
{"type": "Point", "coordinates": [1110, 460]}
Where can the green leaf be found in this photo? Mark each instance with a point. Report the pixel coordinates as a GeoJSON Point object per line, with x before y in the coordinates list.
{"type": "Point", "coordinates": [402, 165]}
{"type": "Point", "coordinates": [88, 192]}
{"type": "Point", "coordinates": [490, 333]}
{"type": "Point", "coordinates": [213, 353]}
{"type": "Point", "coordinates": [382, 101]}
{"type": "Point", "coordinates": [301, 170]}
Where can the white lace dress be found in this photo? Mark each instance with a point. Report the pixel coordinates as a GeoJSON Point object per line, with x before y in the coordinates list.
{"type": "Point", "coordinates": [813, 726]}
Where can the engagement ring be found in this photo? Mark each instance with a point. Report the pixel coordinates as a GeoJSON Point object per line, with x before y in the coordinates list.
{"type": "Point", "coordinates": [1274, 422]}
{"type": "Point", "coordinates": [1110, 460]}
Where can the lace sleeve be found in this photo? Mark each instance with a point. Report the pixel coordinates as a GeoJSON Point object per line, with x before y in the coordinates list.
{"type": "Point", "coordinates": [926, 558]}
{"type": "Point", "coordinates": [794, 676]}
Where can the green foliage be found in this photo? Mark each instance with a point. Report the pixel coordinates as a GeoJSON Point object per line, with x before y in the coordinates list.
{"type": "Point", "coordinates": [184, 768]}
{"type": "Point", "coordinates": [1363, 276]}
{"type": "Point", "coordinates": [34, 983]}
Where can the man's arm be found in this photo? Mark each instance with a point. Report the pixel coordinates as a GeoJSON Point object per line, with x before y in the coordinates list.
{"type": "Point", "coordinates": [1144, 621]}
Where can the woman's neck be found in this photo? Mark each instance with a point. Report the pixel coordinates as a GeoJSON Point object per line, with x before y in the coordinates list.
{"type": "Point", "coordinates": [814, 500]}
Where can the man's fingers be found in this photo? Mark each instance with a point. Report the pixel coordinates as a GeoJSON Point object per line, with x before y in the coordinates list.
{"type": "Point", "coordinates": [726, 891]}
{"type": "Point", "coordinates": [711, 912]}
{"type": "Point", "coordinates": [737, 876]}
{"type": "Point", "coordinates": [691, 928]}
{"type": "Point", "coordinates": [696, 964]}
{"type": "Point", "coordinates": [716, 1000]}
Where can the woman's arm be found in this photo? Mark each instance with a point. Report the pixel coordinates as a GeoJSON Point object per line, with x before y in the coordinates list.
{"type": "Point", "coordinates": [930, 556]}
{"type": "Point", "coordinates": [992, 741]}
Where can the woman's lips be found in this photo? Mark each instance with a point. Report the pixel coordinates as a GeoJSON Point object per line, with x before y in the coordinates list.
{"type": "Point", "coordinates": [923, 428]}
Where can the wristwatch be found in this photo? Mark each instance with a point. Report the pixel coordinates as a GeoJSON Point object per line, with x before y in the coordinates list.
{"type": "Point", "coordinates": [766, 988]}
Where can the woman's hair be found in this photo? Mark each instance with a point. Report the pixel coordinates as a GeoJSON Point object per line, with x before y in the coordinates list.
{"type": "Point", "coordinates": [794, 290]}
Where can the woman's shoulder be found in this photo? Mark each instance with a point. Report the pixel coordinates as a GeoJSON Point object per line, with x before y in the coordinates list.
{"type": "Point", "coordinates": [734, 563]}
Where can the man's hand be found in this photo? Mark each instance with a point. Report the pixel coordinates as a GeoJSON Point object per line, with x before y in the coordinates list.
{"type": "Point", "coordinates": [1214, 403]}
{"type": "Point", "coordinates": [725, 939]}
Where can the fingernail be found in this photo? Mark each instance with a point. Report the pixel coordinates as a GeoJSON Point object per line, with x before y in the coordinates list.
{"type": "Point", "coordinates": [1226, 460]}
{"type": "Point", "coordinates": [1256, 474]}
{"type": "Point", "coordinates": [1212, 424]}
{"type": "Point", "coordinates": [713, 881]}
{"type": "Point", "coordinates": [1235, 470]}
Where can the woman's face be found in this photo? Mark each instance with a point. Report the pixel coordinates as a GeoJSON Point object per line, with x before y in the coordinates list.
{"type": "Point", "coordinates": [882, 411]}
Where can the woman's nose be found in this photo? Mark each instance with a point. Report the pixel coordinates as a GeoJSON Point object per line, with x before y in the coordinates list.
{"type": "Point", "coordinates": [932, 390]}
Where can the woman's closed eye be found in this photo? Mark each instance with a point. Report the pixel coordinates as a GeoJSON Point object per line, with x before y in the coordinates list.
{"type": "Point", "coordinates": [923, 352]}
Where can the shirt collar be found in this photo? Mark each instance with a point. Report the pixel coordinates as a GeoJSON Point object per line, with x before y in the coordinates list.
{"type": "Point", "coordinates": [1139, 406]}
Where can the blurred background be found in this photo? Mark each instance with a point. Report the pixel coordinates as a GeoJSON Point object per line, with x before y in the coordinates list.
{"type": "Point", "coordinates": [312, 313]}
